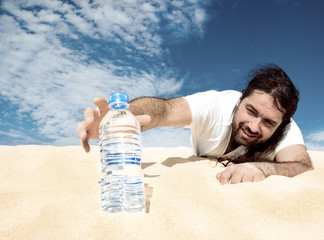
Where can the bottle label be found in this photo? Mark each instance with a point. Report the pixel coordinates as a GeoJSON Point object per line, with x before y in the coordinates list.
{"type": "Point", "coordinates": [116, 161]}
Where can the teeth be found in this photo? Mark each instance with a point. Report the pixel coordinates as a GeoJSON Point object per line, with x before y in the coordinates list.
{"type": "Point", "coordinates": [247, 133]}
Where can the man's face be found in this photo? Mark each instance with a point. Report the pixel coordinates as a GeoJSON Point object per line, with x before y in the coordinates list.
{"type": "Point", "coordinates": [256, 119]}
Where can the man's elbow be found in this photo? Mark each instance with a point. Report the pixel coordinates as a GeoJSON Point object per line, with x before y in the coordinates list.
{"type": "Point", "coordinates": [309, 164]}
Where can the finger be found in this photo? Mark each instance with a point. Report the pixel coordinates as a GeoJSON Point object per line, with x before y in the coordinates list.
{"type": "Point", "coordinates": [83, 136]}
{"type": "Point", "coordinates": [85, 145]}
{"type": "Point", "coordinates": [82, 132]}
{"type": "Point", "coordinates": [247, 177]}
{"type": "Point", "coordinates": [258, 178]}
{"type": "Point", "coordinates": [144, 119]}
{"type": "Point", "coordinates": [84, 128]}
{"type": "Point", "coordinates": [102, 105]}
{"type": "Point", "coordinates": [224, 177]}
{"type": "Point", "coordinates": [89, 116]}
{"type": "Point", "coordinates": [236, 178]}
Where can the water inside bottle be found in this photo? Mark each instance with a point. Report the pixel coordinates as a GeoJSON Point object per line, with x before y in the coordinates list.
{"type": "Point", "coordinates": [122, 186]}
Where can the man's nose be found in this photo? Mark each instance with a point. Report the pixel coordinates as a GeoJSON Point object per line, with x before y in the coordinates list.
{"type": "Point", "coordinates": [254, 125]}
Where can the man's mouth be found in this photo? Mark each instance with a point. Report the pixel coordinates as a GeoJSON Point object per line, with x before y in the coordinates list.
{"type": "Point", "coordinates": [247, 134]}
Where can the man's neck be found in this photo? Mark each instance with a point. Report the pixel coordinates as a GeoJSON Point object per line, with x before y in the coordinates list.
{"type": "Point", "coordinates": [231, 145]}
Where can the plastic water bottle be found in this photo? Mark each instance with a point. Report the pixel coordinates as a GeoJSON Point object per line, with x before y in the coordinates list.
{"type": "Point", "coordinates": [122, 187]}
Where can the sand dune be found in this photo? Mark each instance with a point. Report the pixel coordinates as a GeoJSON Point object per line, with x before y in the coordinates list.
{"type": "Point", "coordinates": [51, 192]}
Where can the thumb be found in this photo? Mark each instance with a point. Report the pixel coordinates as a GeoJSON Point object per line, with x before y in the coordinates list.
{"type": "Point", "coordinates": [144, 119]}
{"type": "Point", "coordinates": [102, 105]}
{"type": "Point", "coordinates": [218, 175]}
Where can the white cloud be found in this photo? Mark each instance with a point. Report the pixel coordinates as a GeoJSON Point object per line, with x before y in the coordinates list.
{"type": "Point", "coordinates": [20, 137]}
{"type": "Point", "coordinates": [317, 137]}
{"type": "Point", "coordinates": [57, 57]}
{"type": "Point", "coordinates": [314, 146]}
{"type": "Point", "coordinates": [315, 141]}
{"type": "Point", "coordinates": [166, 137]}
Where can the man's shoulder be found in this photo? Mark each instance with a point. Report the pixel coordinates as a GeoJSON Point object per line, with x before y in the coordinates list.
{"type": "Point", "coordinates": [235, 95]}
{"type": "Point", "coordinates": [291, 136]}
{"type": "Point", "coordinates": [215, 93]}
{"type": "Point", "coordinates": [214, 100]}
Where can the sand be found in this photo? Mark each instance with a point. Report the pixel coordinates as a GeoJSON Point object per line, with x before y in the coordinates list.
{"type": "Point", "coordinates": [49, 192]}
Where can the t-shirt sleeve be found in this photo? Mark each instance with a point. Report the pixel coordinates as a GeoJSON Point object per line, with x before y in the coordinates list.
{"type": "Point", "coordinates": [212, 107]}
{"type": "Point", "coordinates": [292, 135]}
{"type": "Point", "coordinates": [204, 109]}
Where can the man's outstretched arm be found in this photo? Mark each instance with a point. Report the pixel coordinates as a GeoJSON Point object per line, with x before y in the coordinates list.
{"type": "Point", "coordinates": [289, 162]}
{"type": "Point", "coordinates": [174, 112]}
{"type": "Point", "coordinates": [150, 111]}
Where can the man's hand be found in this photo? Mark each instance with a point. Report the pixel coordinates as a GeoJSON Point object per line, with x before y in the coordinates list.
{"type": "Point", "coordinates": [244, 172]}
{"type": "Point", "coordinates": [89, 128]}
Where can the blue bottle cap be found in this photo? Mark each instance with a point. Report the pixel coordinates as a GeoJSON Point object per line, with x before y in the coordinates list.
{"type": "Point", "coordinates": [118, 100]}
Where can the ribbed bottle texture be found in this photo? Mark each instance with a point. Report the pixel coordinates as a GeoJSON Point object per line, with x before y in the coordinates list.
{"type": "Point", "coordinates": [122, 187]}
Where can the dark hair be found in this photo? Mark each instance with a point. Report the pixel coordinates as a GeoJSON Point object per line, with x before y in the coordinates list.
{"type": "Point", "coordinates": [273, 80]}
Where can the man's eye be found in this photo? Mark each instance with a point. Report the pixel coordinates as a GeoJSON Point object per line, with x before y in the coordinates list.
{"type": "Point", "coordinates": [269, 123]}
{"type": "Point", "coordinates": [250, 111]}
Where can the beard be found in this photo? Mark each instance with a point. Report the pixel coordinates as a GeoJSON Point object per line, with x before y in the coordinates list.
{"type": "Point", "coordinates": [243, 135]}
{"type": "Point", "coordinates": [238, 132]}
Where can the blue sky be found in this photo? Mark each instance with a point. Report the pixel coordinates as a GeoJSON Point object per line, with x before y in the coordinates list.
{"type": "Point", "coordinates": [56, 56]}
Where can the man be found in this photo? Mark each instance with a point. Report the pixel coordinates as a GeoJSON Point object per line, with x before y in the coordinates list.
{"type": "Point", "coordinates": [253, 130]}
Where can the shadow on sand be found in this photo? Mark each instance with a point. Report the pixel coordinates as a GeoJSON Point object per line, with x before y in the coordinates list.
{"type": "Point", "coordinates": [169, 162]}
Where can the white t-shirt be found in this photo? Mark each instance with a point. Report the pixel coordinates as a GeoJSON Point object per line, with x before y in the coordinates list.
{"type": "Point", "coordinates": [211, 124]}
